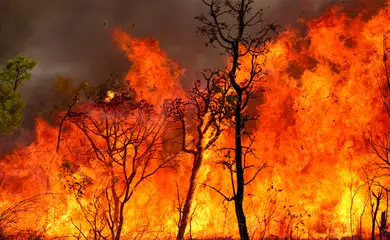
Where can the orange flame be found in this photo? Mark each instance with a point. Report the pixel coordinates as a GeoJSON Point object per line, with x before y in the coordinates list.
{"type": "Point", "coordinates": [110, 96]}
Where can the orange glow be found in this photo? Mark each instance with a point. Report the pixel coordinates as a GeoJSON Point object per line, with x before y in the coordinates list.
{"type": "Point", "coordinates": [110, 96]}
{"type": "Point", "coordinates": [322, 99]}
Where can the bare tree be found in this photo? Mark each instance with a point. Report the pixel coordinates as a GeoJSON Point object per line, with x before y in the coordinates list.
{"type": "Point", "coordinates": [73, 96]}
{"type": "Point", "coordinates": [374, 210]}
{"type": "Point", "coordinates": [380, 145]}
{"type": "Point", "coordinates": [127, 140]}
{"type": "Point", "coordinates": [203, 110]}
{"type": "Point", "coordinates": [245, 38]}
{"type": "Point", "coordinates": [375, 194]}
{"type": "Point", "coordinates": [382, 224]}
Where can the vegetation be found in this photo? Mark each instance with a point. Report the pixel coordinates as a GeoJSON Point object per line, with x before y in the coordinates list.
{"type": "Point", "coordinates": [127, 140]}
{"type": "Point", "coordinates": [245, 37]}
{"type": "Point", "coordinates": [15, 72]}
{"type": "Point", "coordinates": [203, 109]}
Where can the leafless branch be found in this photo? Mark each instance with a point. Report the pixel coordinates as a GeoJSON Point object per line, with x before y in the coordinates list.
{"type": "Point", "coordinates": [219, 191]}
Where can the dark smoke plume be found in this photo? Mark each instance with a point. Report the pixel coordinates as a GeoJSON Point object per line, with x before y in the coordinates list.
{"type": "Point", "coordinates": [72, 38]}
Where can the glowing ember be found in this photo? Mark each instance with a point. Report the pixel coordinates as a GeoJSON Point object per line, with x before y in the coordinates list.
{"type": "Point", "coordinates": [110, 96]}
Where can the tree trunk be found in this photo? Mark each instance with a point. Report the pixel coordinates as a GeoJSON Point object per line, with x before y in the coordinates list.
{"type": "Point", "coordinates": [239, 198]}
{"type": "Point", "coordinates": [383, 223]}
{"type": "Point", "coordinates": [241, 220]}
{"type": "Point", "coordinates": [374, 219]}
{"type": "Point", "coordinates": [190, 194]}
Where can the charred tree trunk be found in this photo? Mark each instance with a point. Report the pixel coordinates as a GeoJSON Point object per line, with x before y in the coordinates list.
{"type": "Point", "coordinates": [203, 103]}
{"type": "Point", "coordinates": [375, 213]}
{"type": "Point", "coordinates": [373, 223]}
{"type": "Point", "coordinates": [239, 198]}
{"type": "Point", "coordinates": [190, 195]}
{"type": "Point", "coordinates": [382, 227]}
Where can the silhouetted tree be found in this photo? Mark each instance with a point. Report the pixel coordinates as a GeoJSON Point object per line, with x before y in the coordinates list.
{"type": "Point", "coordinates": [127, 140]}
{"type": "Point", "coordinates": [239, 30]}
{"type": "Point", "coordinates": [380, 146]}
{"type": "Point", "coordinates": [203, 109]}
{"type": "Point", "coordinates": [374, 210]}
{"type": "Point", "coordinates": [72, 95]}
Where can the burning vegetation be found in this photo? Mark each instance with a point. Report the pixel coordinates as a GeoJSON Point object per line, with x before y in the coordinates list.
{"type": "Point", "coordinates": [290, 140]}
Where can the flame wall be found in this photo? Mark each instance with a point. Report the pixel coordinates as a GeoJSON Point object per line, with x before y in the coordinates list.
{"type": "Point", "coordinates": [323, 98]}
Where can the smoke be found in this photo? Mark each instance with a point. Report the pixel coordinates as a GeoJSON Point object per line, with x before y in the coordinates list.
{"type": "Point", "coordinates": [72, 38]}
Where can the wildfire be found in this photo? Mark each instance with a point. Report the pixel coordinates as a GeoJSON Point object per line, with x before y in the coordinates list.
{"type": "Point", "coordinates": [110, 96]}
{"type": "Point", "coordinates": [322, 99]}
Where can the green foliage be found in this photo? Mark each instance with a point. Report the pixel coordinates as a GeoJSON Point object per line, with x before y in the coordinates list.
{"type": "Point", "coordinates": [11, 104]}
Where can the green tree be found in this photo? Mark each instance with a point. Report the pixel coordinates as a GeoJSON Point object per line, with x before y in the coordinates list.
{"type": "Point", "coordinates": [11, 103]}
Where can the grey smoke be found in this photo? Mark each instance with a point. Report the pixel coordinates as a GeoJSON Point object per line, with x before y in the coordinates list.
{"type": "Point", "coordinates": [72, 38]}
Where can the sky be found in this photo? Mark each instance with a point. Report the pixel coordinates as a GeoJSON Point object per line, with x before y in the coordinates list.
{"type": "Point", "coordinates": [72, 38]}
